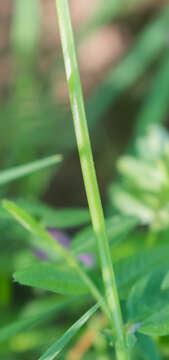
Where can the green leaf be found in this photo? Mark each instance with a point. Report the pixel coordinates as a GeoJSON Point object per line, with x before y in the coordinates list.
{"type": "Point", "coordinates": [157, 324]}
{"type": "Point", "coordinates": [156, 104]}
{"type": "Point", "coordinates": [129, 270]}
{"type": "Point", "coordinates": [149, 294]}
{"type": "Point", "coordinates": [12, 174]}
{"type": "Point", "coordinates": [51, 217]}
{"type": "Point", "coordinates": [148, 348]}
{"type": "Point", "coordinates": [41, 238]}
{"type": "Point", "coordinates": [48, 277]}
{"type": "Point", "coordinates": [152, 144]}
{"type": "Point", "coordinates": [130, 204]}
{"type": "Point", "coordinates": [59, 218]}
{"type": "Point", "coordinates": [141, 174]}
{"type": "Point", "coordinates": [55, 349]}
{"type": "Point", "coordinates": [26, 30]}
{"type": "Point", "coordinates": [118, 227]}
{"type": "Point", "coordinates": [45, 312]}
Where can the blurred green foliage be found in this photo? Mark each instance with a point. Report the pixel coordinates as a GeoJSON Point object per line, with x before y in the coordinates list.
{"type": "Point", "coordinates": [127, 112]}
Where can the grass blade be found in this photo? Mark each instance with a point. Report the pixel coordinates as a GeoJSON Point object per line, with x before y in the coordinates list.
{"type": "Point", "coordinates": [15, 173]}
{"type": "Point", "coordinates": [157, 104]}
{"type": "Point", "coordinates": [55, 349]}
{"type": "Point", "coordinates": [26, 29]}
{"type": "Point", "coordinates": [148, 46]}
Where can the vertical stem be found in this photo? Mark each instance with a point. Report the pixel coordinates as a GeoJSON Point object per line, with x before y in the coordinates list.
{"type": "Point", "coordinates": [89, 176]}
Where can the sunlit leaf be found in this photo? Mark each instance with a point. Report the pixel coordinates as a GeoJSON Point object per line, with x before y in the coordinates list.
{"type": "Point", "coordinates": [152, 144]}
{"type": "Point", "coordinates": [130, 204]}
{"type": "Point", "coordinates": [142, 175]}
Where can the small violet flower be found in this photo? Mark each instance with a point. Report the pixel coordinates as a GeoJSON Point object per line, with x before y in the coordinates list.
{"type": "Point", "coordinates": [65, 240]}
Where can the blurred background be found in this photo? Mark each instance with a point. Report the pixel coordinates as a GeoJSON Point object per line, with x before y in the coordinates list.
{"type": "Point", "coordinates": [121, 47]}
{"type": "Point", "coordinates": [123, 51]}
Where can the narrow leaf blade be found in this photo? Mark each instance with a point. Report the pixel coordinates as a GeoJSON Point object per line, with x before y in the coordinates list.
{"type": "Point", "coordinates": [12, 174]}
{"type": "Point", "coordinates": [55, 349]}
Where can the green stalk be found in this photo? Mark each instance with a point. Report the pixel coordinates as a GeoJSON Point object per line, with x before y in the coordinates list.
{"type": "Point", "coordinates": [89, 176]}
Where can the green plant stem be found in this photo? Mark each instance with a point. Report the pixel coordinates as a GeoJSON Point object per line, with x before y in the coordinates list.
{"type": "Point", "coordinates": [89, 176]}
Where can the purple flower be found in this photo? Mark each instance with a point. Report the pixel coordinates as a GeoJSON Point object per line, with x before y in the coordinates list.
{"type": "Point", "coordinates": [60, 236]}
{"type": "Point", "coordinates": [87, 259]}
{"type": "Point", "coordinates": [40, 254]}
{"type": "Point", "coordinates": [65, 240]}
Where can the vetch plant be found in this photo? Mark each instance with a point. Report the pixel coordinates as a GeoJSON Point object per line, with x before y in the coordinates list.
{"type": "Point", "coordinates": [131, 292]}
